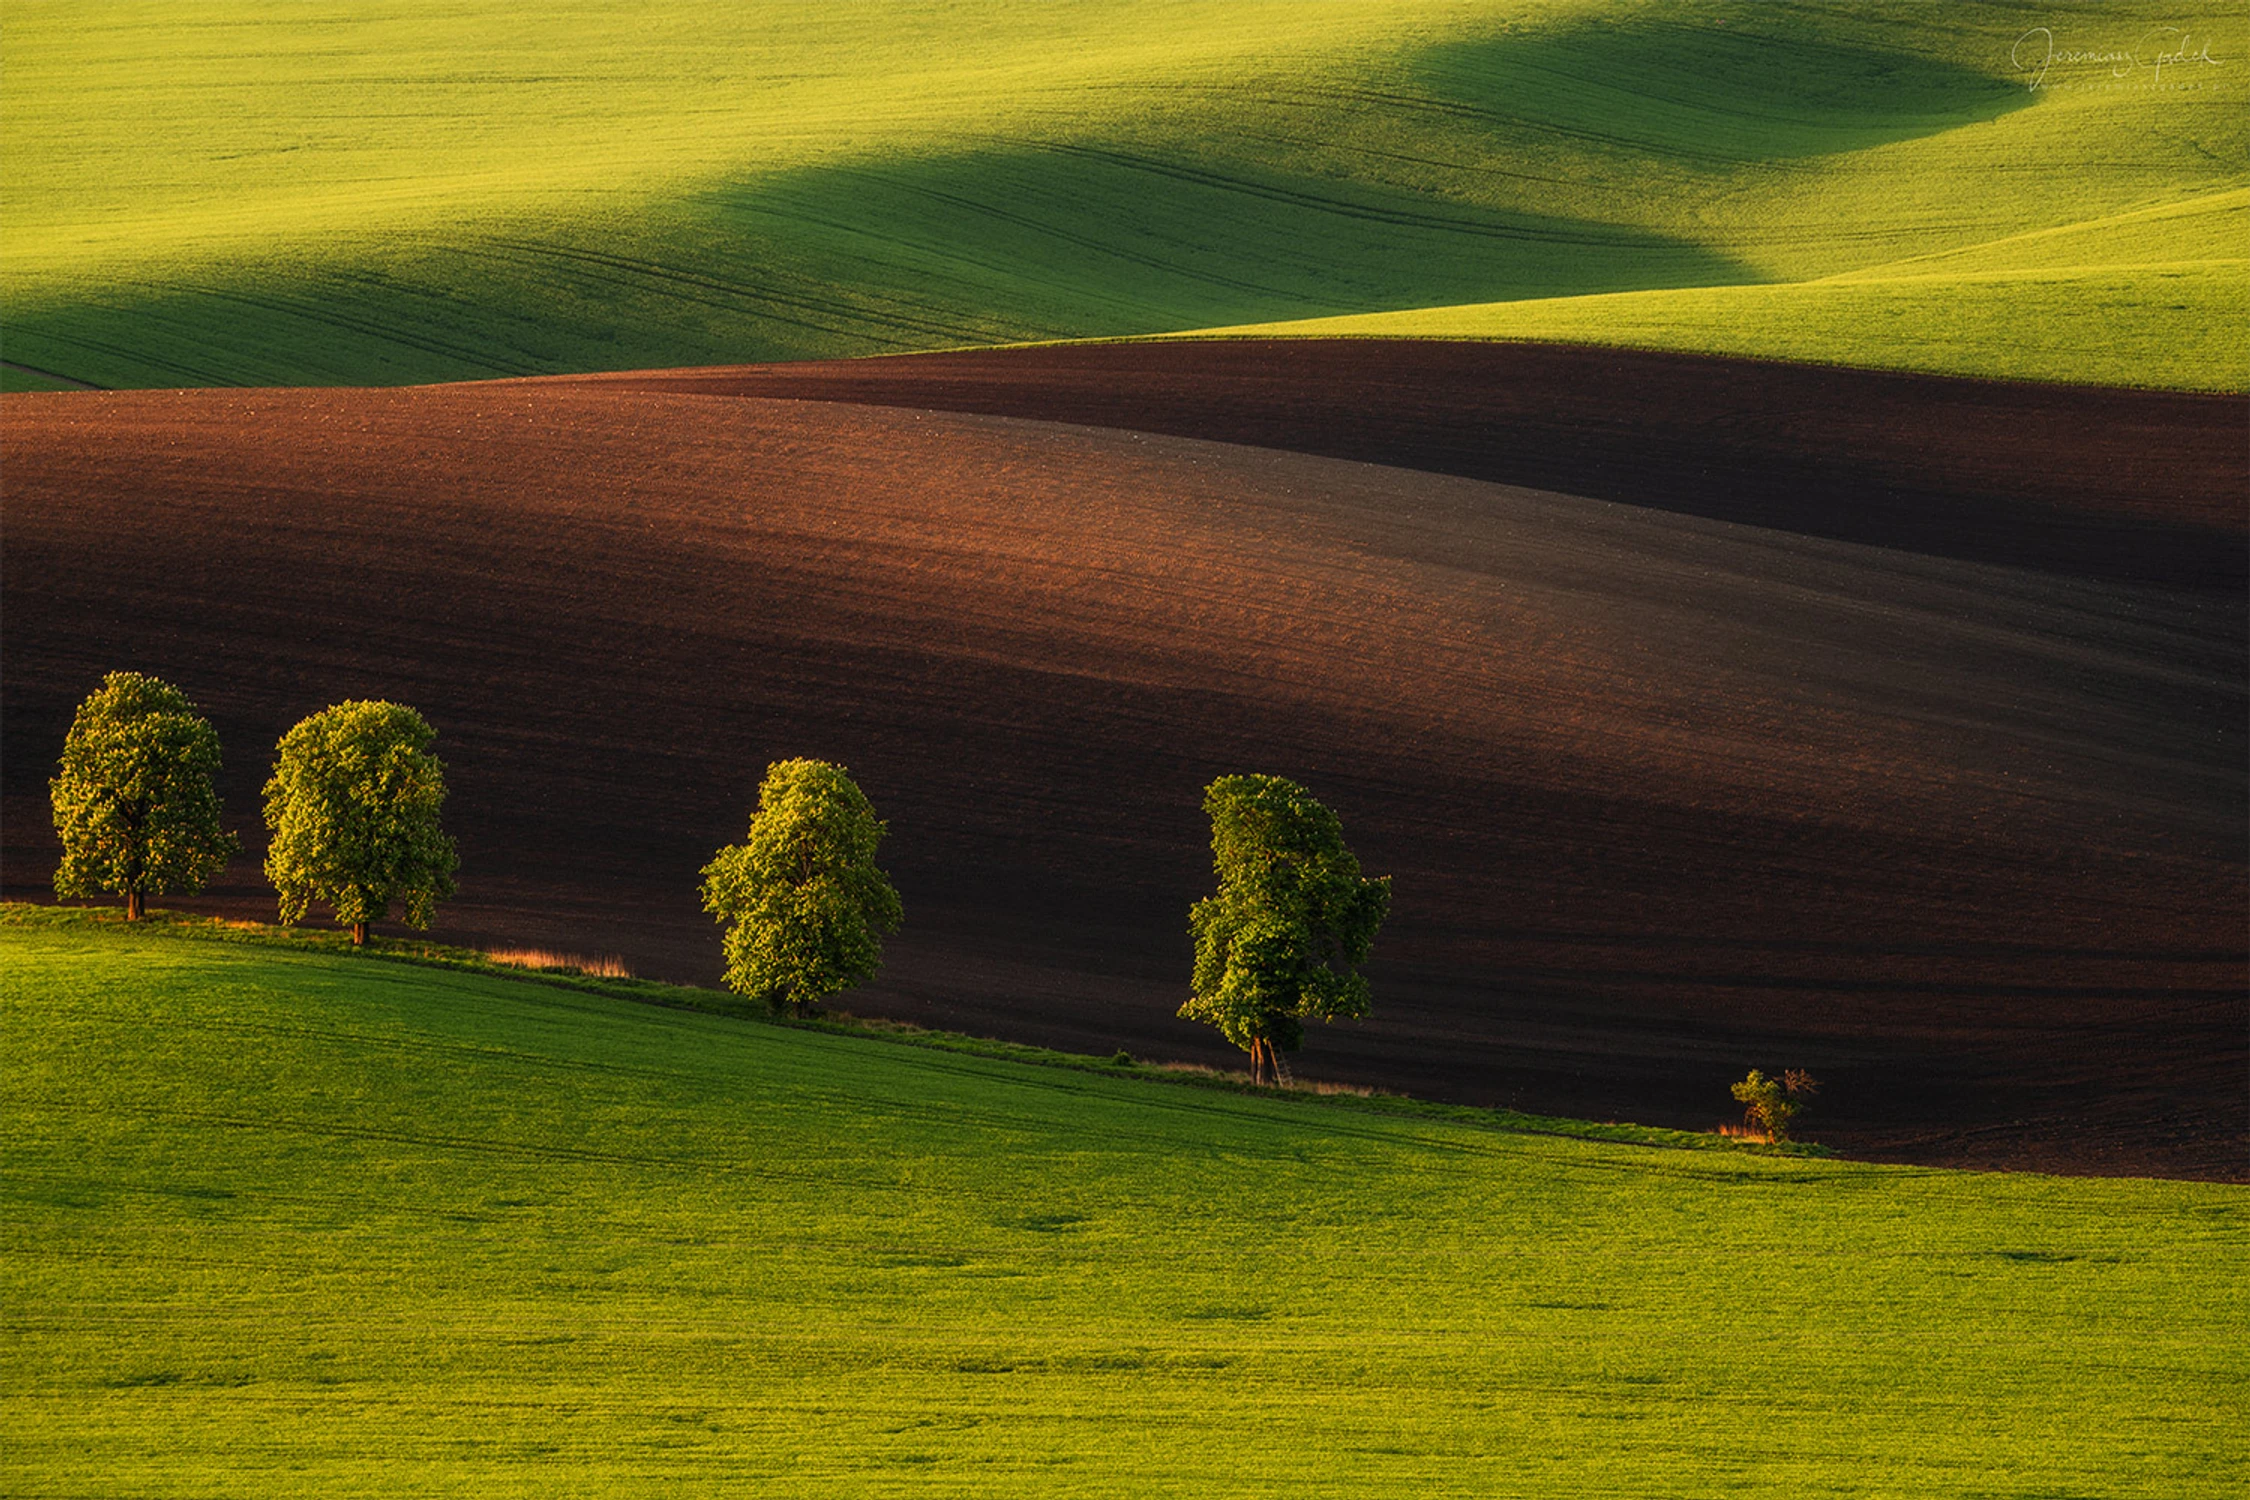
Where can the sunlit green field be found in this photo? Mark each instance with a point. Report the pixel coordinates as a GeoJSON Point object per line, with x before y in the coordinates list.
{"type": "Point", "coordinates": [2179, 317]}
{"type": "Point", "coordinates": [230, 192]}
{"type": "Point", "coordinates": [298, 1223]}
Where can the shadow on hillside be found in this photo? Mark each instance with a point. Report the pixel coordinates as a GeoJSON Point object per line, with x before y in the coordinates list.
{"type": "Point", "coordinates": [1069, 238]}
{"type": "Point", "coordinates": [1498, 170]}
{"type": "Point", "coordinates": [1517, 167]}
{"type": "Point", "coordinates": [1017, 242]}
{"type": "Point", "coordinates": [1708, 95]}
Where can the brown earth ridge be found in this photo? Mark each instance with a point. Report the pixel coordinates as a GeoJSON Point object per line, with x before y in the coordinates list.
{"type": "Point", "coordinates": [2143, 485]}
{"type": "Point", "coordinates": [1665, 795]}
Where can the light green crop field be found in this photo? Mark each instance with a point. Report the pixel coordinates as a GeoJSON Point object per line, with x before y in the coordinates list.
{"type": "Point", "coordinates": [258, 193]}
{"type": "Point", "coordinates": [2010, 309]}
{"type": "Point", "coordinates": [301, 1223]}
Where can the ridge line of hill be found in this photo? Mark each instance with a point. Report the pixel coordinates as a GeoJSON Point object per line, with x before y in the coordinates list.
{"type": "Point", "coordinates": [2128, 485]}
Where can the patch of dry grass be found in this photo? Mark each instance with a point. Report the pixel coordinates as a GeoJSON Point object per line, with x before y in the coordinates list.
{"type": "Point", "coordinates": [608, 966]}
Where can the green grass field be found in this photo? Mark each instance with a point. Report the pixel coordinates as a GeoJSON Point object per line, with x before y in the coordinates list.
{"type": "Point", "coordinates": [2174, 320]}
{"type": "Point", "coordinates": [298, 1223]}
{"type": "Point", "coordinates": [238, 193]}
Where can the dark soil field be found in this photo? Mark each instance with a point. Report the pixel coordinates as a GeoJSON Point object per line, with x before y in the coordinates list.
{"type": "Point", "coordinates": [1666, 796]}
{"type": "Point", "coordinates": [2116, 484]}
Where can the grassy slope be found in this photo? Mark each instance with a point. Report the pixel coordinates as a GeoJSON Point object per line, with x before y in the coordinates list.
{"type": "Point", "coordinates": [251, 195]}
{"type": "Point", "coordinates": [2119, 310]}
{"type": "Point", "coordinates": [296, 1223]}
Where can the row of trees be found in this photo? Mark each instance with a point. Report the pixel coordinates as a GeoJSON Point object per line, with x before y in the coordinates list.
{"type": "Point", "coordinates": [1277, 944]}
{"type": "Point", "coordinates": [353, 804]}
{"type": "Point", "coordinates": [352, 807]}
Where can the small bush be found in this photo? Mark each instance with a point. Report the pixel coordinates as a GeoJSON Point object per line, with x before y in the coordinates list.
{"type": "Point", "coordinates": [1771, 1105]}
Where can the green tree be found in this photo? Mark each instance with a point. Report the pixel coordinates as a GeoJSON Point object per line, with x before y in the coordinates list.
{"type": "Point", "coordinates": [353, 804]}
{"type": "Point", "coordinates": [808, 908]}
{"type": "Point", "coordinates": [1292, 916]}
{"type": "Point", "coordinates": [135, 807]}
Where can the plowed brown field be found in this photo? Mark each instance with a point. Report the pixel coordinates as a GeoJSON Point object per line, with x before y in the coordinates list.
{"type": "Point", "coordinates": [2141, 485]}
{"type": "Point", "coordinates": [1665, 797]}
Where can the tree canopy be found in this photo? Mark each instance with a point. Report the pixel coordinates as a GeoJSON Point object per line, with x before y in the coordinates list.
{"type": "Point", "coordinates": [1278, 941]}
{"type": "Point", "coordinates": [135, 805]}
{"type": "Point", "coordinates": [353, 805]}
{"type": "Point", "coordinates": [807, 907]}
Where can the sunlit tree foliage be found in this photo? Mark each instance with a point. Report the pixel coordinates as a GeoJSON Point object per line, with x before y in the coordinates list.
{"type": "Point", "coordinates": [135, 805]}
{"type": "Point", "coordinates": [1280, 939]}
{"type": "Point", "coordinates": [805, 905]}
{"type": "Point", "coordinates": [353, 805]}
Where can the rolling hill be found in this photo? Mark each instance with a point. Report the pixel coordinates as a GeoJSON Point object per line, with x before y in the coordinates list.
{"type": "Point", "coordinates": [301, 1224]}
{"type": "Point", "coordinates": [2105, 483]}
{"type": "Point", "coordinates": [245, 196]}
{"type": "Point", "coordinates": [1665, 796]}
{"type": "Point", "coordinates": [2157, 297]}
{"type": "Point", "coordinates": [1738, 507]}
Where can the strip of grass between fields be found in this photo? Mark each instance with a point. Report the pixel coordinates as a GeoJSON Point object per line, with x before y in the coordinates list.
{"type": "Point", "coordinates": [171, 924]}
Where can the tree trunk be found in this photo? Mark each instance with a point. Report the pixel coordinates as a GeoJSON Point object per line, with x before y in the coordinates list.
{"type": "Point", "coordinates": [133, 909]}
{"type": "Point", "coordinates": [359, 934]}
{"type": "Point", "coordinates": [1258, 1063]}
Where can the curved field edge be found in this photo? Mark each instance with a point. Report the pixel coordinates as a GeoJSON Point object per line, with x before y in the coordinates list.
{"type": "Point", "coordinates": [1897, 459]}
{"type": "Point", "coordinates": [313, 1224]}
{"type": "Point", "coordinates": [32, 916]}
{"type": "Point", "coordinates": [2170, 325]}
{"type": "Point", "coordinates": [2023, 326]}
{"type": "Point", "coordinates": [717, 187]}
